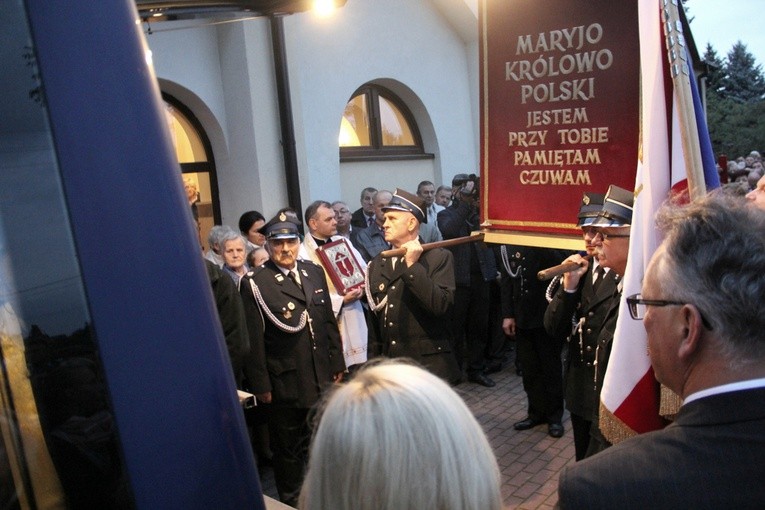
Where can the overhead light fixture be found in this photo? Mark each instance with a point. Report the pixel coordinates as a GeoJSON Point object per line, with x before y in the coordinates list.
{"type": "Point", "coordinates": [324, 8]}
{"type": "Point", "coordinates": [168, 10]}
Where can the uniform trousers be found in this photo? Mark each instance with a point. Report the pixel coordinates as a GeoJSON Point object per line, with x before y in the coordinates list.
{"type": "Point", "coordinates": [581, 427]}
{"type": "Point", "coordinates": [290, 432]}
{"type": "Point", "coordinates": [540, 358]}
{"type": "Point", "coordinates": [497, 343]}
{"type": "Point", "coordinates": [471, 324]}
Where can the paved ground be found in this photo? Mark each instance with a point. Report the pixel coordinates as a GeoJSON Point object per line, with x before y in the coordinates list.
{"type": "Point", "coordinates": [530, 461]}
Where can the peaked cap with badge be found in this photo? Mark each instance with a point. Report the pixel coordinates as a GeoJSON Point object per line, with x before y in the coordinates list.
{"type": "Point", "coordinates": [592, 203]}
{"type": "Point", "coordinates": [407, 202]}
{"type": "Point", "coordinates": [617, 208]}
{"type": "Point", "coordinates": [280, 226]}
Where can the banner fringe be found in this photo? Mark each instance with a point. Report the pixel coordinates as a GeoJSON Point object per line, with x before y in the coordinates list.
{"type": "Point", "coordinates": [612, 428]}
{"type": "Point", "coordinates": [669, 403]}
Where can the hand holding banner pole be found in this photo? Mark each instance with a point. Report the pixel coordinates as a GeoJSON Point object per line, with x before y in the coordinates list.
{"type": "Point", "coordinates": [566, 267]}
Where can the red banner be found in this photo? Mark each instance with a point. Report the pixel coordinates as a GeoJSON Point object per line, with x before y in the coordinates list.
{"type": "Point", "coordinates": [559, 108]}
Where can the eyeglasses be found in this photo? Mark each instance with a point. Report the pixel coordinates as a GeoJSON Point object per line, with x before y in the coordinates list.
{"type": "Point", "coordinates": [639, 306]}
{"type": "Point", "coordinates": [605, 237]}
{"type": "Point", "coordinates": [589, 231]}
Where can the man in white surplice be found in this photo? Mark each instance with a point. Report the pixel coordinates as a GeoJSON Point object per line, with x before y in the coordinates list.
{"type": "Point", "coordinates": [322, 228]}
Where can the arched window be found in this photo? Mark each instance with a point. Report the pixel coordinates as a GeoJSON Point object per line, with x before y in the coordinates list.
{"type": "Point", "coordinates": [377, 125]}
{"type": "Point", "coordinates": [194, 153]}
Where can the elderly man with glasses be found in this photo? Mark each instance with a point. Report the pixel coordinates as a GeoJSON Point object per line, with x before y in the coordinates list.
{"type": "Point", "coordinates": [610, 233]}
{"type": "Point", "coordinates": [587, 296]}
{"type": "Point", "coordinates": [596, 310]}
{"type": "Point", "coordinates": [612, 240]}
{"type": "Point", "coordinates": [701, 306]}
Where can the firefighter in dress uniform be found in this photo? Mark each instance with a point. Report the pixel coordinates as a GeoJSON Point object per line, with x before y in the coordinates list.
{"type": "Point", "coordinates": [412, 295]}
{"type": "Point", "coordinates": [296, 351]}
{"type": "Point", "coordinates": [577, 311]}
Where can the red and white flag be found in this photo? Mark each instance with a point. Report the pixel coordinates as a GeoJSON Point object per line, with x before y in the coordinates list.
{"type": "Point", "coordinates": [630, 398]}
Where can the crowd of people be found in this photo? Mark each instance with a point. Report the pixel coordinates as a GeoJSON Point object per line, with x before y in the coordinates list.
{"type": "Point", "coordinates": [312, 326]}
{"type": "Point", "coordinates": [743, 172]}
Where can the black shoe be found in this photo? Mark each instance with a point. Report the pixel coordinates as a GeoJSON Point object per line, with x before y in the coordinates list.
{"type": "Point", "coordinates": [555, 429]}
{"type": "Point", "coordinates": [493, 368]}
{"type": "Point", "coordinates": [526, 424]}
{"type": "Point", "coordinates": [482, 379]}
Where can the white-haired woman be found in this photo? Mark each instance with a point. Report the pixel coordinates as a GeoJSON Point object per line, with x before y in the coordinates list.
{"type": "Point", "coordinates": [234, 252]}
{"type": "Point", "coordinates": [398, 437]}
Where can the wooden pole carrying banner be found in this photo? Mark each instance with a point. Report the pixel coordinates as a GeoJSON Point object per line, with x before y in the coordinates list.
{"type": "Point", "coordinates": [559, 112]}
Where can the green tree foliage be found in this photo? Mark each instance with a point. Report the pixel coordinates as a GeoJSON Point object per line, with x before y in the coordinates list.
{"type": "Point", "coordinates": [744, 82]}
{"type": "Point", "coordinates": [735, 102]}
{"type": "Point", "coordinates": [715, 71]}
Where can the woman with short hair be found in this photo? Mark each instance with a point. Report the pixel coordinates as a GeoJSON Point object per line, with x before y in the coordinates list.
{"type": "Point", "coordinates": [234, 252]}
{"type": "Point", "coordinates": [398, 437]}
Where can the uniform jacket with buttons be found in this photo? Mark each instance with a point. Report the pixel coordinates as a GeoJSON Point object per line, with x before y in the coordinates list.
{"type": "Point", "coordinates": [414, 322]}
{"type": "Point", "coordinates": [605, 342]}
{"type": "Point", "coordinates": [589, 311]}
{"type": "Point", "coordinates": [523, 294]}
{"type": "Point", "coordinates": [295, 366]}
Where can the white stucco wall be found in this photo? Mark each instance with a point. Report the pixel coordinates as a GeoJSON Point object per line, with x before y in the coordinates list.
{"type": "Point", "coordinates": [399, 41]}
{"type": "Point", "coordinates": [423, 50]}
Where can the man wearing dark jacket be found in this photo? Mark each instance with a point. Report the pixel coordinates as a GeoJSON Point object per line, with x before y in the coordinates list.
{"type": "Point", "coordinates": [474, 269]}
{"type": "Point", "coordinates": [231, 314]}
{"type": "Point", "coordinates": [364, 216]}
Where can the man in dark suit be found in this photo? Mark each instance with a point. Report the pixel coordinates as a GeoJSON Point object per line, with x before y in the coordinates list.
{"type": "Point", "coordinates": [295, 348]}
{"type": "Point", "coordinates": [364, 216]}
{"type": "Point", "coordinates": [701, 304]}
{"type": "Point", "coordinates": [371, 240]}
{"type": "Point", "coordinates": [411, 295]}
{"type": "Point", "coordinates": [577, 312]}
{"type": "Point", "coordinates": [475, 269]}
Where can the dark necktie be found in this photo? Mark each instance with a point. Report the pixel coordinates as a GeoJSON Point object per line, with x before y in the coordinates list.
{"type": "Point", "coordinates": [601, 273]}
{"type": "Point", "coordinates": [292, 276]}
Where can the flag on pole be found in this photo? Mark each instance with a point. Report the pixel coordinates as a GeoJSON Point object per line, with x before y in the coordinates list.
{"type": "Point", "coordinates": [630, 398]}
